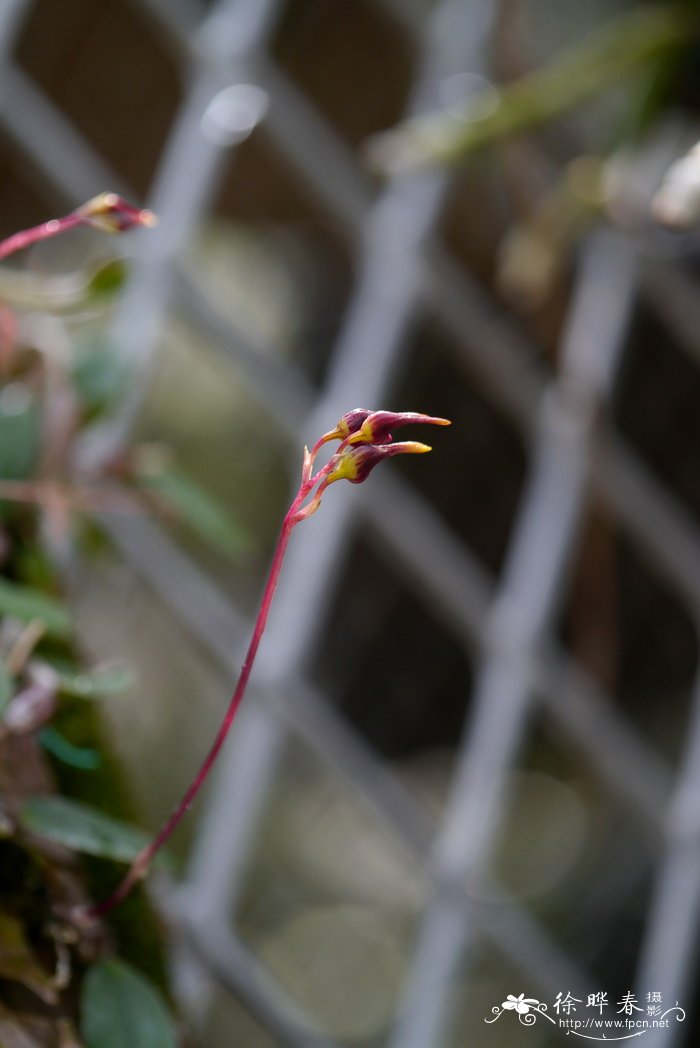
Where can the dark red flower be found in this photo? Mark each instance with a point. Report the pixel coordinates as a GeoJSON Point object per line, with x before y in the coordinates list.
{"type": "Point", "coordinates": [362, 426]}
{"type": "Point", "coordinates": [356, 461]}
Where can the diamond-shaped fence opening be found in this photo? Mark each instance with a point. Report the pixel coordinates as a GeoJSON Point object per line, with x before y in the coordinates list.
{"type": "Point", "coordinates": [470, 762]}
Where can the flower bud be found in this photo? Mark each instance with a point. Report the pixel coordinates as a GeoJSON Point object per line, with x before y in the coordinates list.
{"type": "Point", "coordinates": [355, 462]}
{"type": "Point", "coordinates": [110, 213]}
{"type": "Point", "coordinates": [378, 425]}
{"type": "Point", "coordinates": [361, 426]}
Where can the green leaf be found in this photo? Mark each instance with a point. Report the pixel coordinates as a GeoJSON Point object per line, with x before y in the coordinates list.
{"type": "Point", "coordinates": [19, 432]}
{"type": "Point", "coordinates": [82, 828]}
{"type": "Point", "coordinates": [41, 293]}
{"type": "Point", "coordinates": [6, 686]}
{"type": "Point", "coordinates": [100, 375]}
{"type": "Point", "coordinates": [63, 750]}
{"type": "Point", "coordinates": [25, 603]}
{"type": "Point", "coordinates": [108, 278]}
{"type": "Point", "coordinates": [98, 683]}
{"type": "Point", "coordinates": [122, 1009]}
{"type": "Point", "coordinates": [199, 511]}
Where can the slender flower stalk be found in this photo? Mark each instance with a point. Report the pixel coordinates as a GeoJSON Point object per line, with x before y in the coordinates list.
{"type": "Point", "coordinates": [356, 455]}
{"type": "Point", "coordinates": [107, 212]}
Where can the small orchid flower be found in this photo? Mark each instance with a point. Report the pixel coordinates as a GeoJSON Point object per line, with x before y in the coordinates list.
{"type": "Point", "coordinates": [355, 462]}
{"type": "Point", "coordinates": [365, 440]}
{"type": "Point", "coordinates": [378, 426]}
{"type": "Point", "coordinates": [361, 426]}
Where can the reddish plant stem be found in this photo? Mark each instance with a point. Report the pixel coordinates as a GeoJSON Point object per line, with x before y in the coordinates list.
{"type": "Point", "coordinates": [140, 866]}
{"type": "Point", "coordinates": [27, 237]}
{"type": "Point", "coordinates": [106, 212]}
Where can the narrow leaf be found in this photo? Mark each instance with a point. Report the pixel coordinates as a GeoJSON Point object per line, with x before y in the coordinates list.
{"type": "Point", "coordinates": [122, 1009]}
{"type": "Point", "coordinates": [97, 683]}
{"type": "Point", "coordinates": [82, 828]}
{"type": "Point", "coordinates": [25, 603]}
{"type": "Point", "coordinates": [199, 511]}
{"type": "Point", "coordinates": [64, 751]}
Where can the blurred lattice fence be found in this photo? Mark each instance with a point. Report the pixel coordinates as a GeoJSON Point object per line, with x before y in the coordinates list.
{"type": "Point", "coordinates": [538, 582]}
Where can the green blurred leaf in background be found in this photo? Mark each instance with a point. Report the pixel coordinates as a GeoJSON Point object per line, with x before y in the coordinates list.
{"type": "Point", "coordinates": [20, 422]}
{"type": "Point", "coordinates": [203, 515]}
{"type": "Point", "coordinates": [82, 757]}
{"type": "Point", "coordinates": [101, 375]}
{"type": "Point", "coordinates": [122, 1009]}
{"type": "Point", "coordinates": [99, 683]}
{"type": "Point", "coordinates": [82, 828]}
{"type": "Point", "coordinates": [26, 603]}
{"type": "Point", "coordinates": [107, 278]}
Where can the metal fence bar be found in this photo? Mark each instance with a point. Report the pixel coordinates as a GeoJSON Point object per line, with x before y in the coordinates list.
{"type": "Point", "coordinates": [176, 22]}
{"type": "Point", "coordinates": [216, 623]}
{"type": "Point", "coordinates": [492, 348]}
{"type": "Point", "coordinates": [669, 950]}
{"type": "Point", "coordinates": [12, 15]}
{"type": "Point", "coordinates": [497, 354]}
{"type": "Point", "coordinates": [654, 518]}
{"type": "Point", "coordinates": [56, 150]}
{"type": "Point", "coordinates": [226, 47]}
{"type": "Point", "coordinates": [199, 144]}
{"type": "Point", "coordinates": [460, 595]}
{"type": "Point", "coordinates": [381, 310]}
{"type": "Point", "coordinates": [332, 173]}
{"type": "Point", "coordinates": [528, 598]}
{"type": "Point", "coordinates": [236, 969]}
